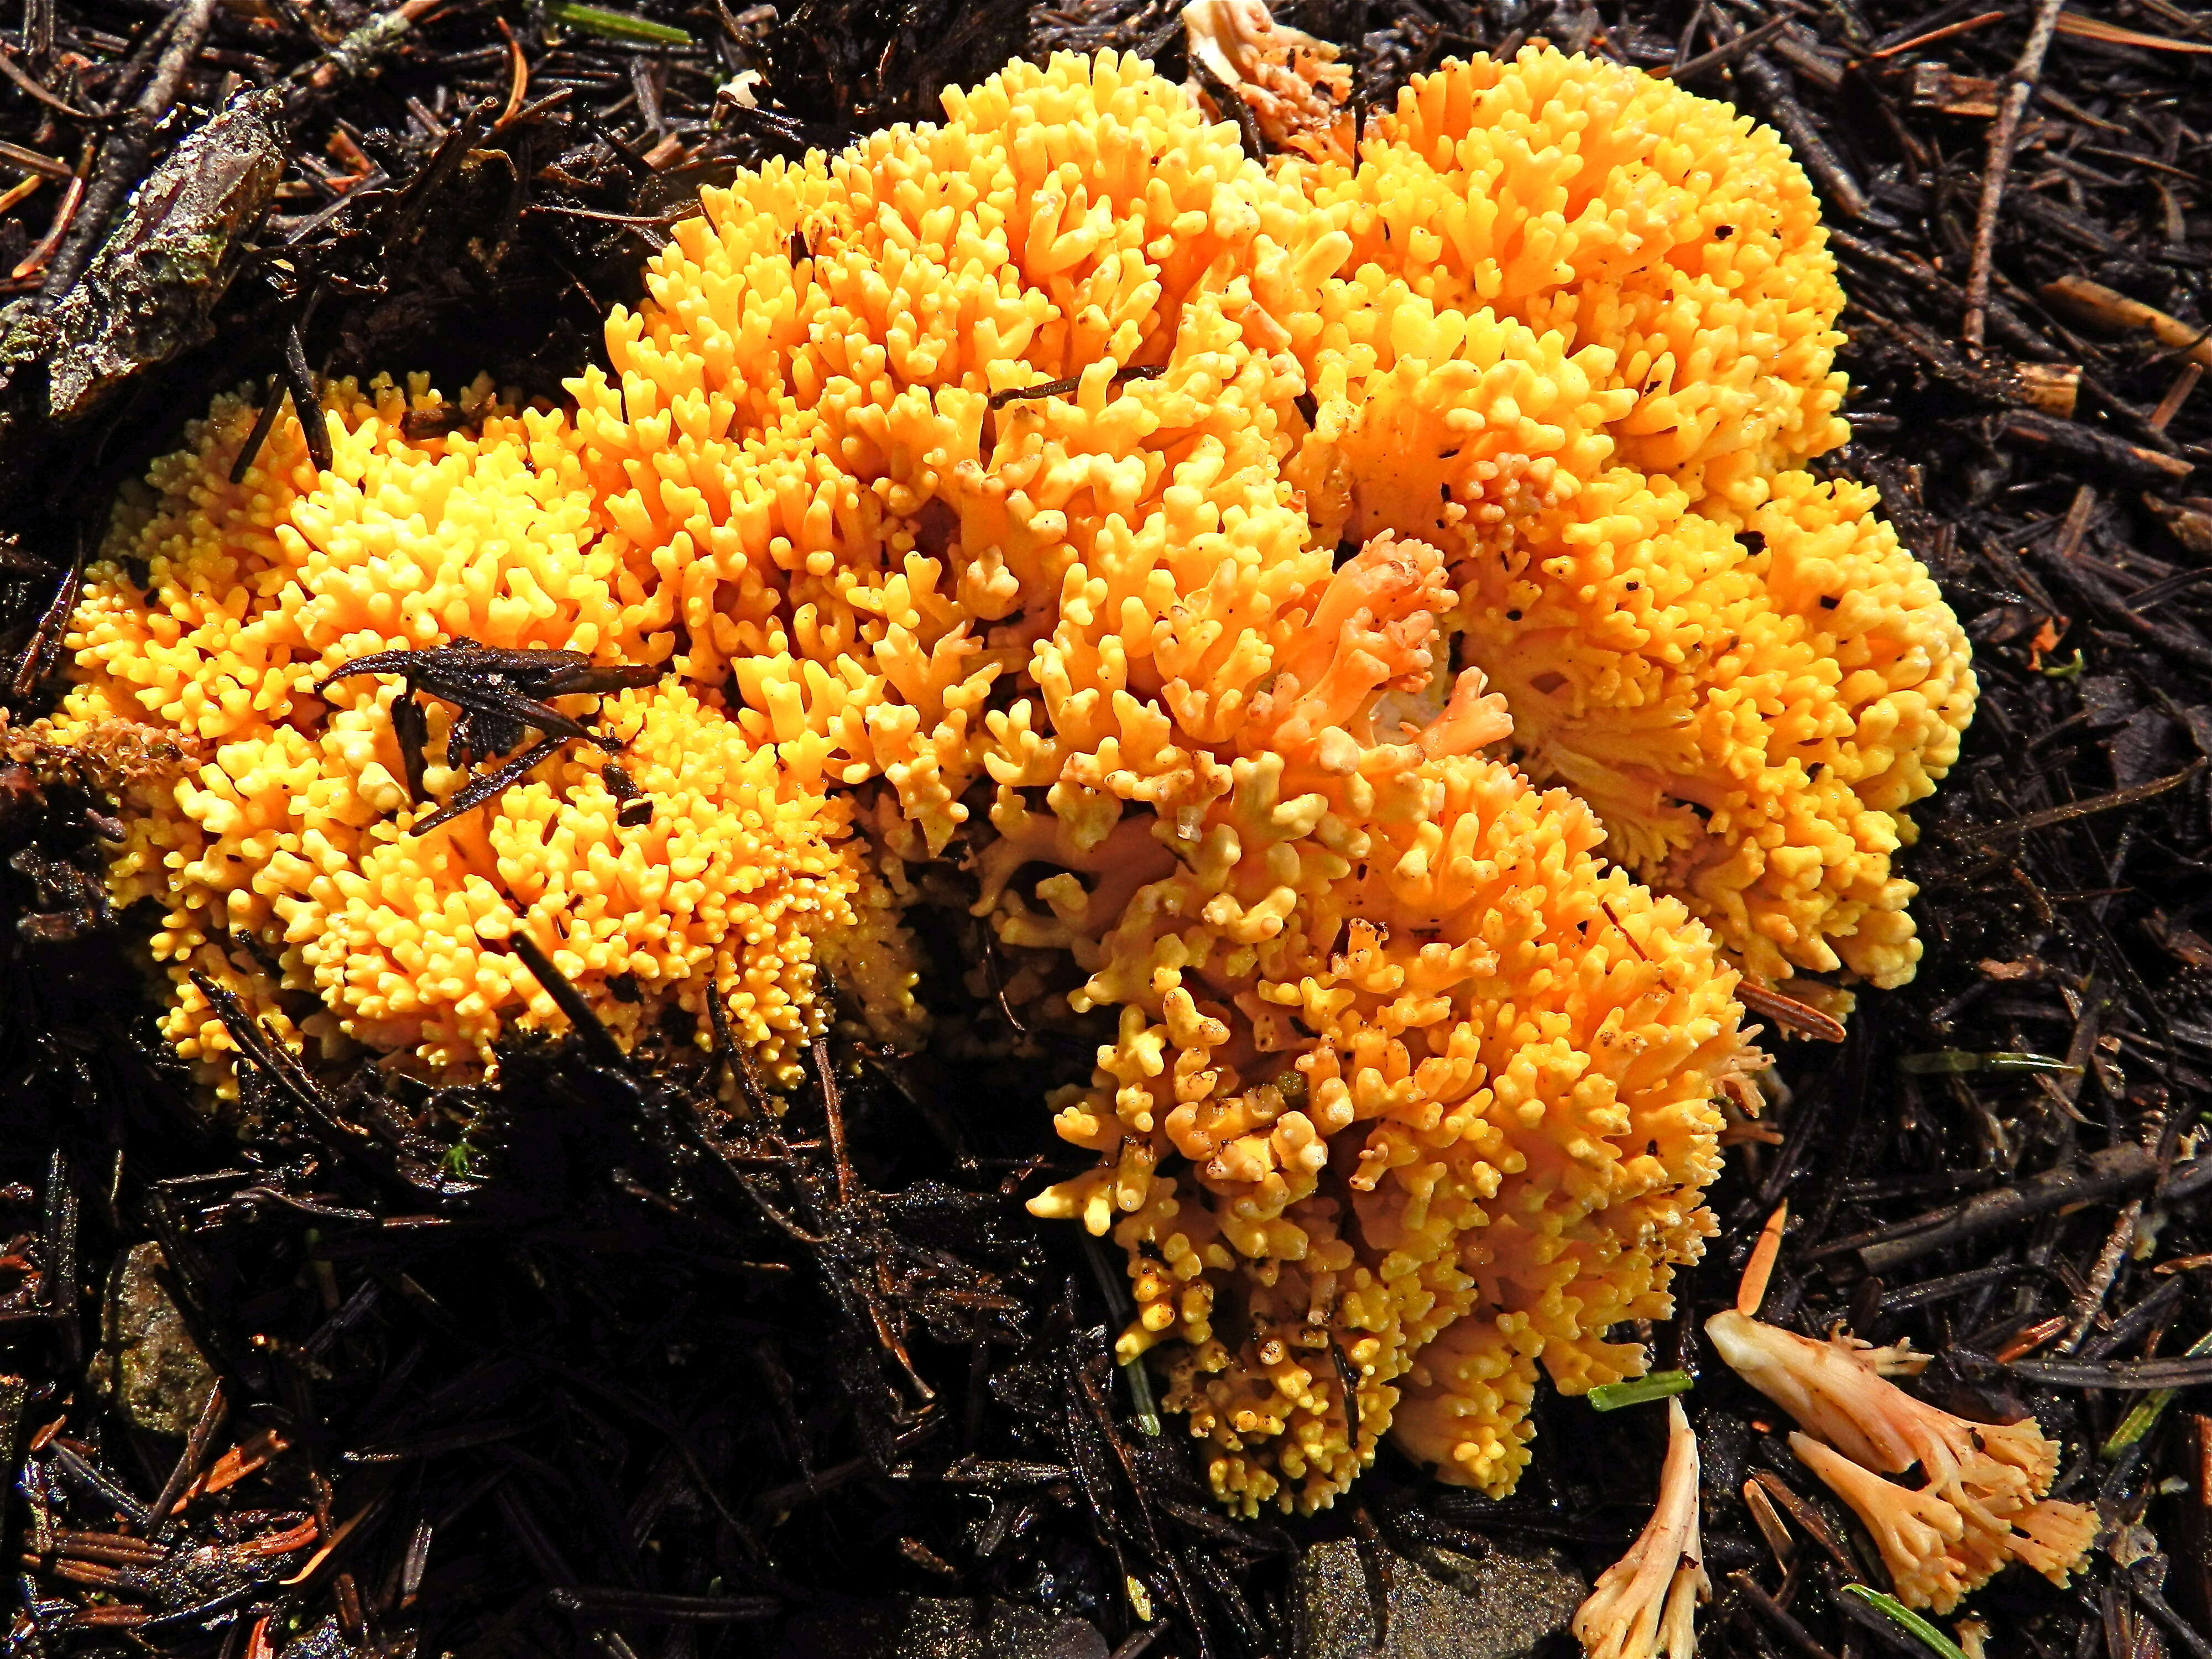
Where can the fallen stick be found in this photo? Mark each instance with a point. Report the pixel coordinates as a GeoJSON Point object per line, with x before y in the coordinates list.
{"type": "Point", "coordinates": [123, 160]}
{"type": "Point", "coordinates": [2018, 88]}
{"type": "Point", "coordinates": [2112, 1173]}
{"type": "Point", "coordinates": [2094, 302]}
{"type": "Point", "coordinates": [1726, 52]}
{"type": "Point", "coordinates": [2132, 462]}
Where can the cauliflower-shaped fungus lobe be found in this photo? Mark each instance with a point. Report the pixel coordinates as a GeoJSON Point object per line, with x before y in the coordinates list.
{"type": "Point", "coordinates": [1058, 490]}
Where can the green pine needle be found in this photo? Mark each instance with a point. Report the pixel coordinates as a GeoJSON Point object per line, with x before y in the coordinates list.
{"type": "Point", "coordinates": [615, 24]}
{"type": "Point", "coordinates": [2148, 1410]}
{"type": "Point", "coordinates": [1945, 1061]}
{"type": "Point", "coordinates": [1933, 1639]}
{"type": "Point", "coordinates": [1612, 1396]}
{"type": "Point", "coordinates": [1140, 1397]}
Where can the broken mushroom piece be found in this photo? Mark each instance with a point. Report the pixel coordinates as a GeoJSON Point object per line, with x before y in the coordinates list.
{"type": "Point", "coordinates": [1977, 1507]}
{"type": "Point", "coordinates": [1645, 1604]}
{"type": "Point", "coordinates": [1291, 81]}
{"type": "Point", "coordinates": [1938, 1549]}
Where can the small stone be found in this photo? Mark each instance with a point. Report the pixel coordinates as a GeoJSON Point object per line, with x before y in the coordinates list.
{"type": "Point", "coordinates": [941, 1627]}
{"type": "Point", "coordinates": [148, 1363]}
{"type": "Point", "coordinates": [1505, 1605]}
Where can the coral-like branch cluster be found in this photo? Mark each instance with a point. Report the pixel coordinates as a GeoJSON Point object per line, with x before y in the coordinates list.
{"type": "Point", "coordinates": [1290, 82]}
{"type": "Point", "coordinates": [1058, 490]}
{"type": "Point", "coordinates": [1645, 1605]}
{"type": "Point", "coordinates": [1581, 338]}
{"type": "Point", "coordinates": [1981, 1502]}
{"type": "Point", "coordinates": [286, 863]}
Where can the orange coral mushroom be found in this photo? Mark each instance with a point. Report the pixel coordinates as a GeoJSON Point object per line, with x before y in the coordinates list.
{"type": "Point", "coordinates": [1644, 1606]}
{"type": "Point", "coordinates": [1582, 336]}
{"type": "Point", "coordinates": [979, 492]}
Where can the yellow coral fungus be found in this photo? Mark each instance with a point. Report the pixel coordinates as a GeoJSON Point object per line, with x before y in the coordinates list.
{"type": "Point", "coordinates": [1582, 337]}
{"type": "Point", "coordinates": [982, 488]}
{"type": "Point", "coordinates": [292, 841]}
{"type": "Point", "coordinates": [1434, 1081]}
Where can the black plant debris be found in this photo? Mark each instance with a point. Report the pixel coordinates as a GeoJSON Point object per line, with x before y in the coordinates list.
{"type": "Point", "coordinates": [500, 694]}
{"type": "Point", "coordinates": [609, 1358]}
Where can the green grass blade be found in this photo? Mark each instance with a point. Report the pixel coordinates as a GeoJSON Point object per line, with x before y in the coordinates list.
{"type": "Point", "coordinates": [615, 24]}
{"type": "Point", "coordinates": [1897, 1614]}
{"type": "Point", "coordinates": [1612, 1396]}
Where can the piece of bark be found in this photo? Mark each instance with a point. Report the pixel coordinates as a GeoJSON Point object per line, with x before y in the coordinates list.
{"type": "Point", "coordinates": [149, 290]}
{"type": "Point", "coordinates": [1935, 87]}
{"type": "Point", "coordinates": [2053, 388]}
{"type": "Point", "coordinates": [2188, 520]}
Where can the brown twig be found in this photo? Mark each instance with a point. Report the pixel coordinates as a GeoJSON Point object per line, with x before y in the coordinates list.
{"type": "Point", "coordinates": [1067, 387]}
{"type": "Point", "coordinates": [1842, 191]}
{"type": "Point", "coordinates": [833, 1107]}
{"type": "Point", "coordinates": [1799, 1638]}
{"type": "Point", "coordinates": [2116, 1169]}
{"type": "Point", "coordinates": [1800, 1017]}
{"type": "Point", "coordinates": [272, 404]}
{"type": "Point", "coordinates": [2177, 394]}
{"type": "Point", "coordinates": [64, 215]}
{"type": "Point", "coordinates": [2020, 87]}
{"type": "Point", "coordinates": [359, 52]}
{"type": "Point", "coordinates": [2086, 445]}
{"type": "Point", "coordinates": [598, 1040]}
{"type": "Point", "coordinates": [307, 400]}
{"type": "Point", "coordinates": [1726, 52]}
{"type": "Point", "coordinates": [32, 89]}
{"type": "Point", "coordinates": [518, 77]}
{"type": "Point", "coordinates": [2099, 1285]}
{"type": "Point", "coordinates": [2077, 520]}
{"type": "Point", "coordinates": [2112, 34]}
{"type": "Point", "coordinates": [45, 645]}
{"type": "Point", "coordinates": [32, 160]}
{"type": "Point", "coordinates": [190, 1460]}
{"type": "Point", "coordinates": [1780, 104]}
{"type": "Point", "coordinates": [2137, 1377]}
{"type": "Point", "coordinates": [1934, 35]}
{"type": "Point", "coordinates": [2117, 799]}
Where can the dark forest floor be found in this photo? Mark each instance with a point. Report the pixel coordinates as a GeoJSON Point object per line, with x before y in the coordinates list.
{"type": "Point", "coordinates": [606, 1400]}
